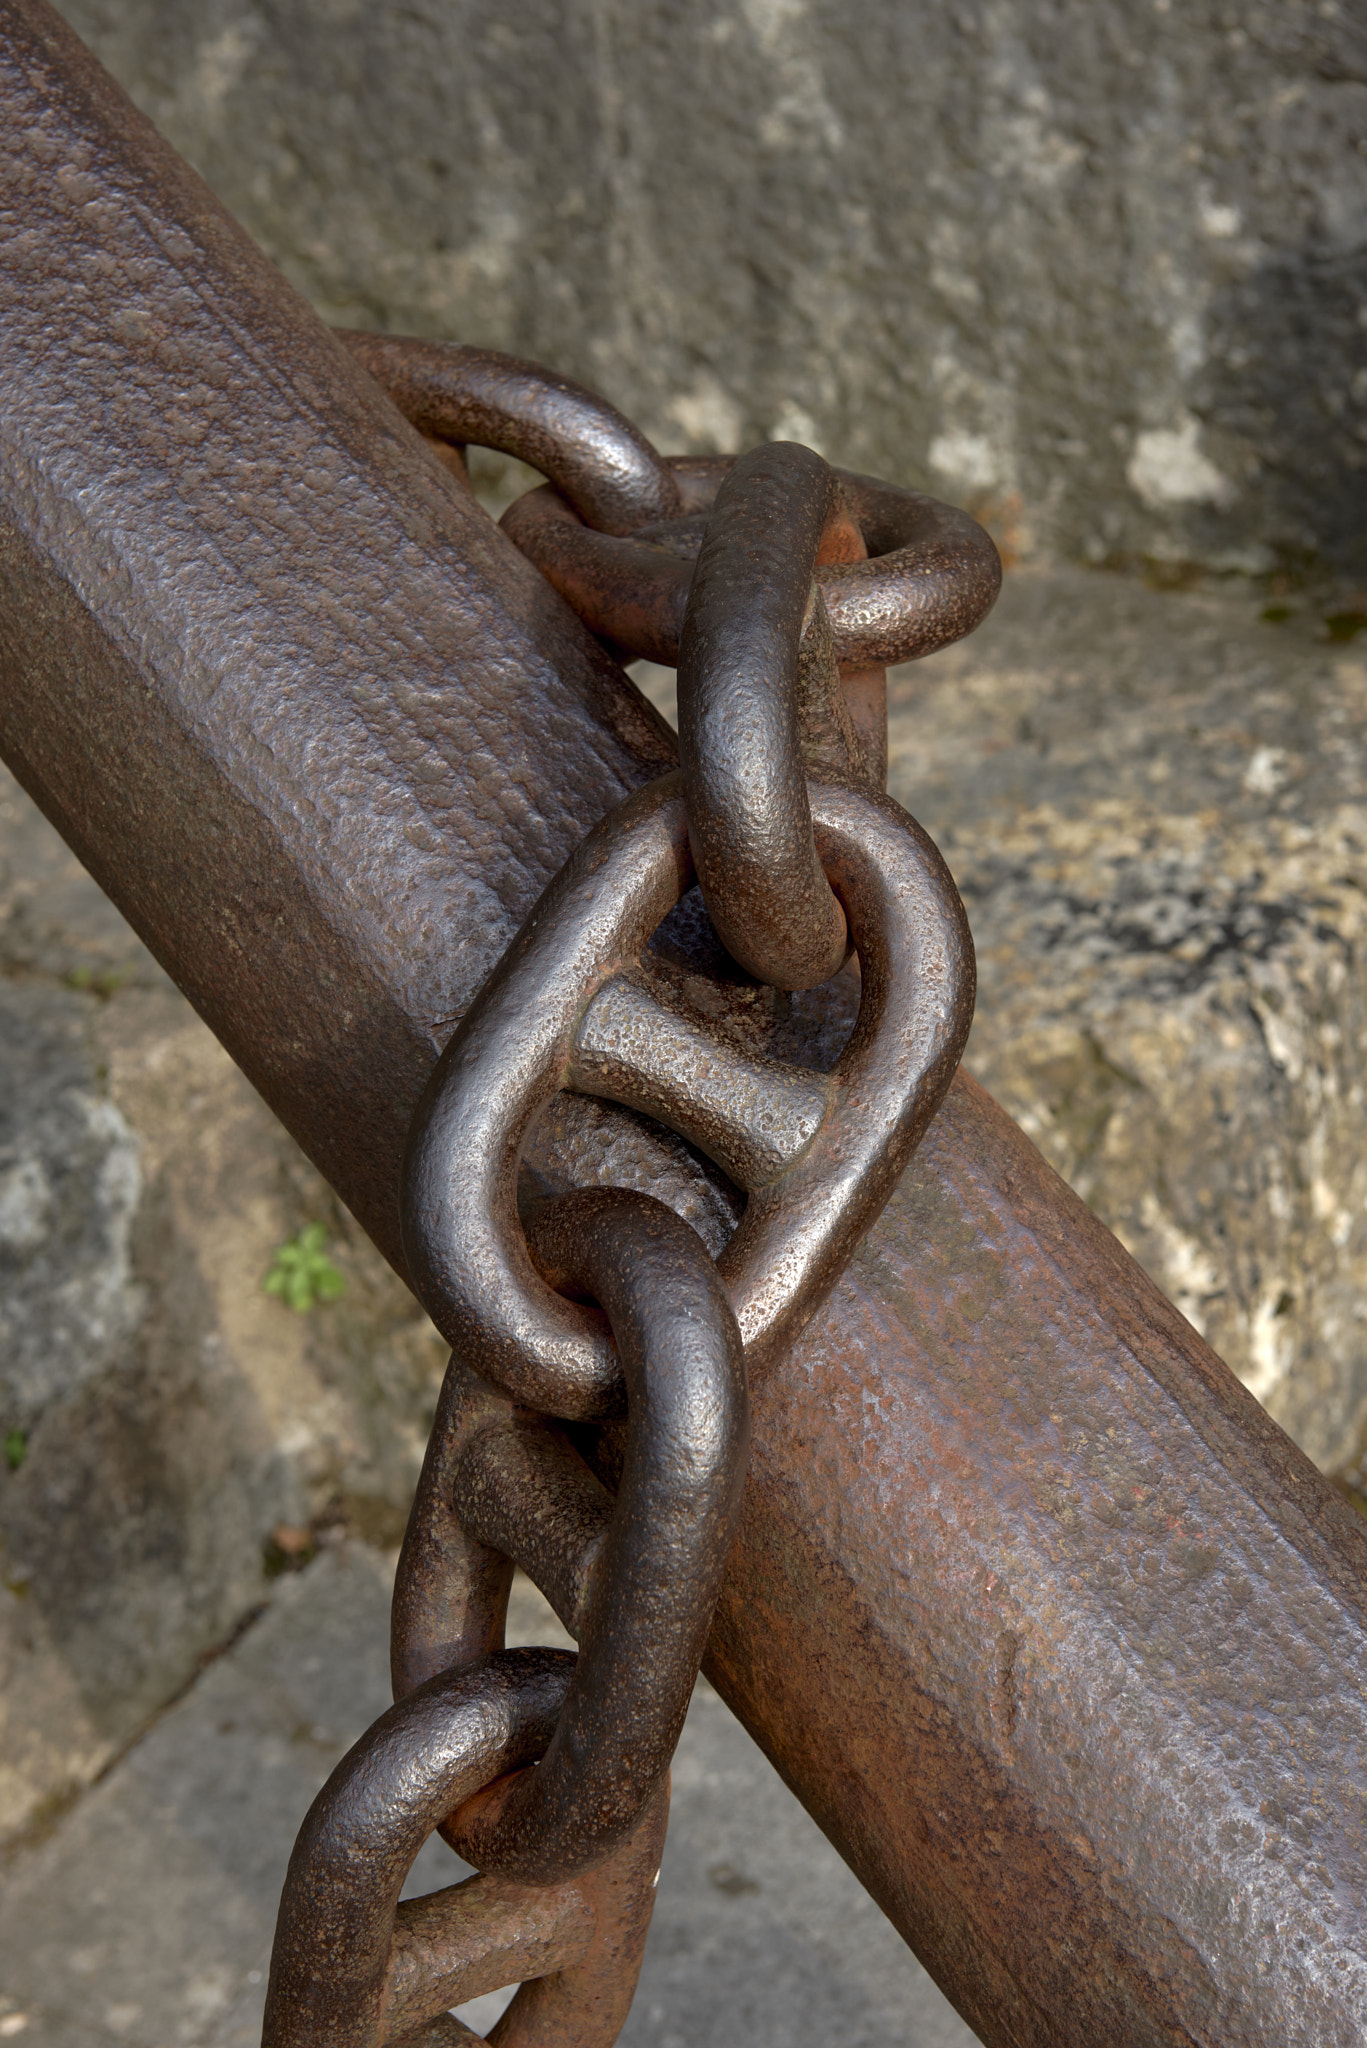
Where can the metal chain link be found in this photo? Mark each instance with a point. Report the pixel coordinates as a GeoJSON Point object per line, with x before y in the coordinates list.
{"type": "Point", "coordinates": [780, 586]}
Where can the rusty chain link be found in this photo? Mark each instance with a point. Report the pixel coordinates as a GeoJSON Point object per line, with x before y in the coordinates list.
{"type": "Point", "coordinates": [780, 587]}
{"type": "Point", "coordinates": [567, 1852]}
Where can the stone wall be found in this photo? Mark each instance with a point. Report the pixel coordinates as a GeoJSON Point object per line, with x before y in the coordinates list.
{"type": "Point", "coordinates": [163, 1417]}
{"type": "Point", "coordinates": [1096, 267]}
{"type": "Point", "coordinates": [1153, 803]}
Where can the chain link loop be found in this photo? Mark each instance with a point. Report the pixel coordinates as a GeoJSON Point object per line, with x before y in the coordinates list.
{"type": "Point", "coordinates": [576, 1002]}
{"type": "Point", "coordinates": [745, 780]}
{"type": "Point", "coordinates": [603, 1306]}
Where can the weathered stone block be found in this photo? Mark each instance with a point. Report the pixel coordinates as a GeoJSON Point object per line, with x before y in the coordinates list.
{"type": "Point", "coordinates": [1153, 805]}
{"type": "Point", "coordinates": [1096, 267]}
{"type": "Point", "coordinates": [169, 1414]}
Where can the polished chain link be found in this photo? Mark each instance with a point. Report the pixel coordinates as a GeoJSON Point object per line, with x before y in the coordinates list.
{"type": "Point", "coordinates": [593, 1427]}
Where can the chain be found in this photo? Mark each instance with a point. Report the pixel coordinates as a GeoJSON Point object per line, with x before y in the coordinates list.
{"type": "Point", "coordinates": [780, 587]}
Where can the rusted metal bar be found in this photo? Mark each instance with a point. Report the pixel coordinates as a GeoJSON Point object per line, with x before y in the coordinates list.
{"type": "Point", "coordinates": [1055, 1633]}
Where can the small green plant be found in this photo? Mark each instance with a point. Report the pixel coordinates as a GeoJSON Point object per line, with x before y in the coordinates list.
{"type": "Point", "coordinates": [101, 982]}
{"type": "Point", "coordinates": [16, 1449]}
{"type": "Point", "coordinates": [1344, 625]}
{"type": "Point", "coordinates": [1276, 614]}
{"type": "Point", "coordinates": [301, 1273]}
